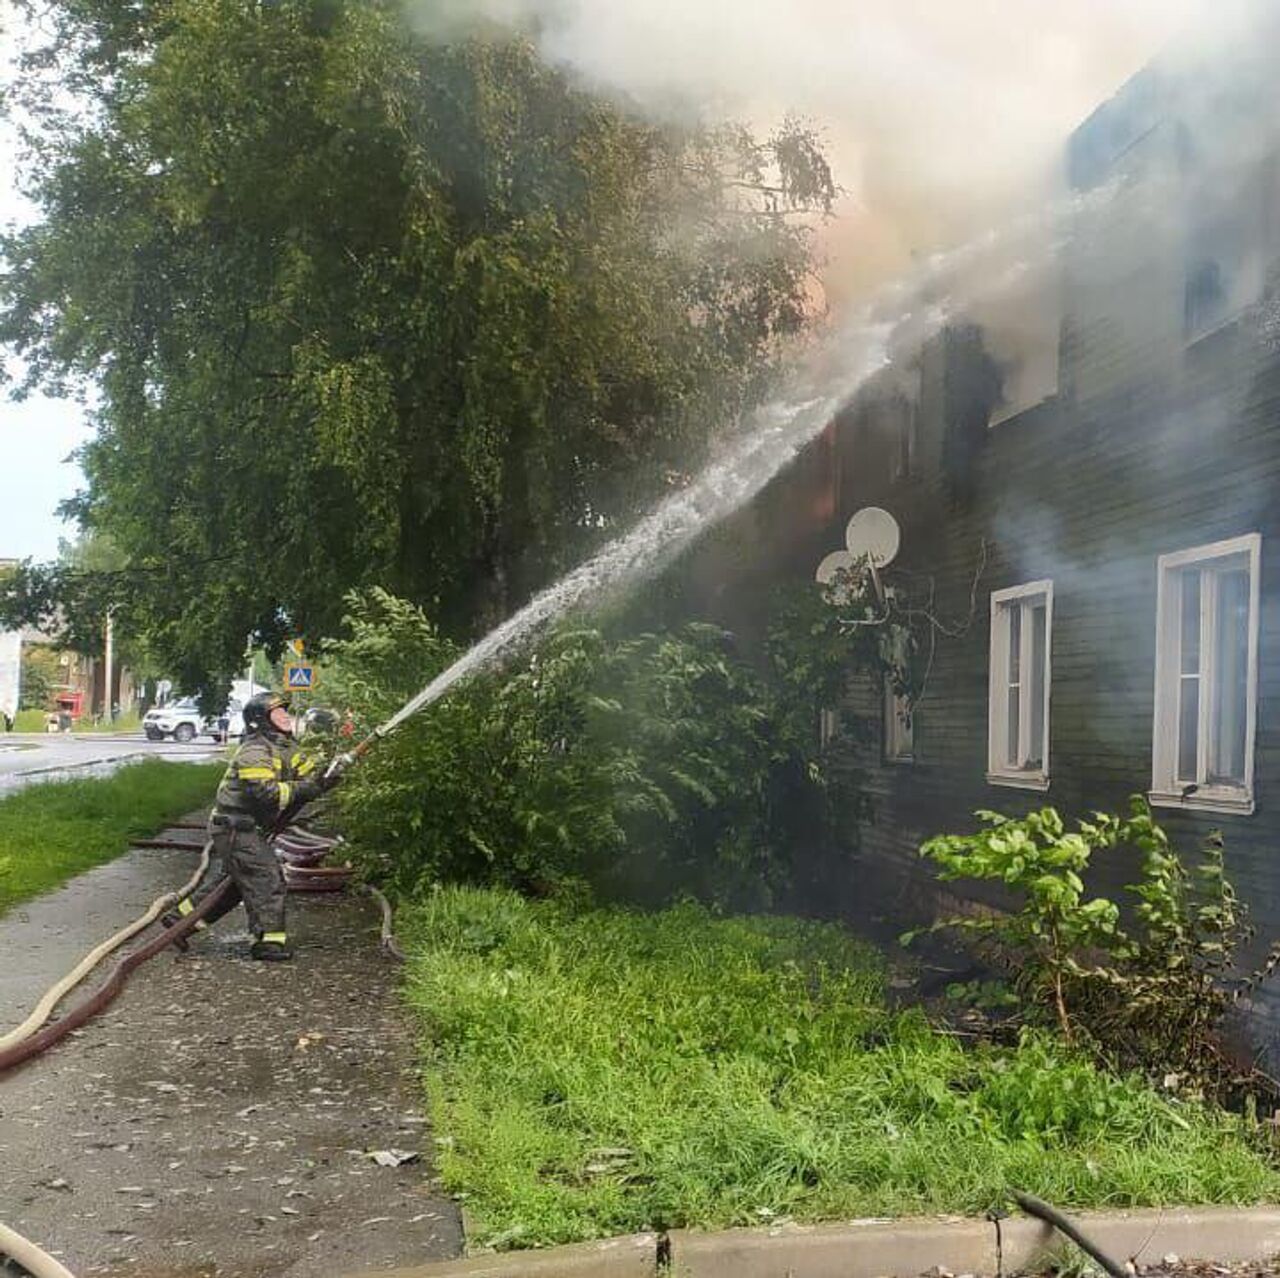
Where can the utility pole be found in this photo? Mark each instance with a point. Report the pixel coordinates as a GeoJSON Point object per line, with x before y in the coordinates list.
{"type": "Point", "coordinates": [107, 692]}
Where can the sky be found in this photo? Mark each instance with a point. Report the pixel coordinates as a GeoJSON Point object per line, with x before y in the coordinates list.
{"type": "Point", "coordinates": [38, 435]}
{"type": "Point", "coordinates": [934, 111]}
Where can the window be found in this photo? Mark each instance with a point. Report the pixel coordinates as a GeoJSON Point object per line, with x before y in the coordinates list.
{"type": "Point", "coordinates": [902, 435]}
{"type": "Point", "coordinates": [1207, 298]}
{"type": "Point", "coordinates": [1021, 628]}
{"type": "Point", "coordinates": [1206, 677]}
{"type": "Point", "coordinates": [899, 713]}
{"type": "Point", "coordinates": [899, 726]}
{"type": "Point", "coordinates": [828, 727]}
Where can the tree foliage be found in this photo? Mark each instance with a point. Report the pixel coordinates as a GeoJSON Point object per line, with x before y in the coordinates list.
{"type": "Point", "coordinates": [641, 766]}
{"type": "Point", "coordinates": [365, 307]}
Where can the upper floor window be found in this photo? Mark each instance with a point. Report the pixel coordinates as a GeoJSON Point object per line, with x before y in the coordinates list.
{"type": "Point", "coordinates": [899, 706]}
{"type": "Point", "coordinates": [1208, 298]}
{"type": "Point", "coordinates": [1230, 241]}
{"type": "Point", "coordinates": [1207, 676]}
{"type": "Point", "coordinates": [1018, 740]}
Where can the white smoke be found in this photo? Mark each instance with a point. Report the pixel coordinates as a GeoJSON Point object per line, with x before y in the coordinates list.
{"type": "Point", "coordinates": [937, 114]}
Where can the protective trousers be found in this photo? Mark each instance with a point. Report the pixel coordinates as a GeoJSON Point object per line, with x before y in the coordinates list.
{"type": "Point", "coordinates": [246, 858]}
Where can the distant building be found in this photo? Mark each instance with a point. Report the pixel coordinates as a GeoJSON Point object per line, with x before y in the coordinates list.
{"type": "Point", "coordinates": [75, 672]}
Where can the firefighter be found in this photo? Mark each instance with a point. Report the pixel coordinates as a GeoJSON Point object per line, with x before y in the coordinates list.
{"type": "Point", "coordinates": [268, 780]}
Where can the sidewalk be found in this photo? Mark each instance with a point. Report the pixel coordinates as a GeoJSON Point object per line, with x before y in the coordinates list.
{"type": "Point", "coordinates": [213, 1123]}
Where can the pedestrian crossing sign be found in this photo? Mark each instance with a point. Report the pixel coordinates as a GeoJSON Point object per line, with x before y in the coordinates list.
{"type": "Point", "coordinates": [299, 678]}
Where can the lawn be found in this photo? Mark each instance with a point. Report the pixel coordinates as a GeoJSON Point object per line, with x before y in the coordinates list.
{"type": "Point", "coordinates": [52, 831]}
{"type": "Point", "coordinates": [611, 1071]}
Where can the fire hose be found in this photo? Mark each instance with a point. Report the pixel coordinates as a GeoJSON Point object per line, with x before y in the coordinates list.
{"type": "Point", "coordinates": [35, 1043]}
{"type": "Point", "coordinates": [44, 1009]}
{"type": "Point", "coordinates": [36, 1262]}
{"type": "Point", "coordinates": [29, 1038]}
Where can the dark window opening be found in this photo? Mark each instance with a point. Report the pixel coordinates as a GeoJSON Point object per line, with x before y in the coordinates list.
{"type": "Point", "coordinates": [1208, 297]}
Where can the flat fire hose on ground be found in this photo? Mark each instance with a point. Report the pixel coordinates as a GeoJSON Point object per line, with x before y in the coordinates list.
{"type": "Point", "coordinates": [44, 1009]}
{"type": "Point", "coordinates": [29, 1038]}
{"type": "Point", "coordinates": [37, 1042]}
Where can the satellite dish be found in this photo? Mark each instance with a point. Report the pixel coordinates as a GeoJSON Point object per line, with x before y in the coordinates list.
{"type": "Point", "coordinates": [873, 534]}
{"type": "Point", "coordinates": [836, 562]}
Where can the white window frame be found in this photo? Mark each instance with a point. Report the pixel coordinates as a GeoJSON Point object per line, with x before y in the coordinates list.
{"type": "Point", "coordinates": [1166, 790]}
{"type": "Point", "coordinates": [998, 770]}
{"type": "Point", "coordinates": [899, 726]}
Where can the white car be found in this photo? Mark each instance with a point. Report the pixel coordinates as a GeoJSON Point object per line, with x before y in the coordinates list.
{"type": "Point", "coordinates": [180, 720]}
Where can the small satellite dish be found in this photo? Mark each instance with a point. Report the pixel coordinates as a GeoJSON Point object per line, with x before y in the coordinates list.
{"type": "Point", "coordinates": [836, 562]}
{"type": "Point", "coordinates": [873, 534]}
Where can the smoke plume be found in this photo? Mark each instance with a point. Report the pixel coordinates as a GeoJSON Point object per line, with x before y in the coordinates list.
{"type": "Point", "coordinates": [938, 116]}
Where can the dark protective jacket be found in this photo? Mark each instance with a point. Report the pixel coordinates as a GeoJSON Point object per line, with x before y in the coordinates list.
{"type": "Point", "coordinates": [269, 775]}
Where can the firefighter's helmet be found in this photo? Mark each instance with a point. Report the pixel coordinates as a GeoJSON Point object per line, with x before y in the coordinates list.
{"type": "Point", "coordinates": [257, 710]}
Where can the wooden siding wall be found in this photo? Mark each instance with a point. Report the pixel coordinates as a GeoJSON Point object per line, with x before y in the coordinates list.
{"type": "Point", "coordinates": [1154, 446]}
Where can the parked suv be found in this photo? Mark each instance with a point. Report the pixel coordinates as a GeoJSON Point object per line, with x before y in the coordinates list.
{"type": "Point", "coordinates": [180, 720]}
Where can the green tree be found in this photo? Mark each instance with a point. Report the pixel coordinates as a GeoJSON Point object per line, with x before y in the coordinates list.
{"type": "Point", "coordinates": [40, 675]}
{"type": "Point", "coordinates": [645, 766]}
{"type": "Point", "coordinates": [364, 307]}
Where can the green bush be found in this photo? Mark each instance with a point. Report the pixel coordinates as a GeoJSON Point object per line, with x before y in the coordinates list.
{"type": "Point", "coordinates": [40, 676]}
{"type": "Point", "coordinates": [1146, 981]}
{"type": "Point", "coordinates": [641, 766]}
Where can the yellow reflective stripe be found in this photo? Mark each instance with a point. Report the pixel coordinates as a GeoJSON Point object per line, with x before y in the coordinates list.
{"type": "Point", "coordinates": [305, 765]}
{"type": "Point", "coordinates": [277, 764]}
{"type": "Point", "coordinates": [257, 774]}
{"type": "Point", "coordinates": [275, 938]}
{"type": "Point", "coordinates": [185, 906]}
{"type": "Point", "coordinates": [286, 793]}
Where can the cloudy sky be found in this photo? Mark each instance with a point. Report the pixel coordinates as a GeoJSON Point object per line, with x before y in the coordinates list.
{"type": "Point", "coordinates": [36, 437]}
{"type": "Point", "coordinates": [935, 111]}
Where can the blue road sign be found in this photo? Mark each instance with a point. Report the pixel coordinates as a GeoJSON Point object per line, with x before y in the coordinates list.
{"type": "Point", "coordinates": [299, 678]}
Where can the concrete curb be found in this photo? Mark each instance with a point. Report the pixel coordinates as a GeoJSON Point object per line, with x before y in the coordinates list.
{"type": "Point", "coordinates": [1229, 1235]}
{"type": "Point", "coordinates": [634, 1256]}
{"type": "Point", "coordinates": [886, 1248]}
{"type": "Point", "coordinates": [905, 1249]}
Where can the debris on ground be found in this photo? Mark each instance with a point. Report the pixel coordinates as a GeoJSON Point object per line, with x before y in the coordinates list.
{"type": "Point", "coordinates": [185, 1132]}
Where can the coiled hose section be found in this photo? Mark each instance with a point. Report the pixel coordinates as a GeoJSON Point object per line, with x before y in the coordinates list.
{"type": "Point", "coordinates": [30, 1257]}
{"type": "Point", "coordinates": [29, 1039]}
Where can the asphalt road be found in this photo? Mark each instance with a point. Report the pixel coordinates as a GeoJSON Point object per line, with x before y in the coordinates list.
{"type": "Point", "coordinates": [28, 757]}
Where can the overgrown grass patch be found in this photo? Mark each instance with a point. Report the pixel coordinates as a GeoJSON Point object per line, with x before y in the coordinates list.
{"type": "Point", "coordinates": [609, 1071]}
{"type": "Point", "coordinates": [52, 831]}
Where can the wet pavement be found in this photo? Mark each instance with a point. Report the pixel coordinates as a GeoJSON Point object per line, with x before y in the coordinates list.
{"type": "Point", "coordinates": [30, 757]}
{"type": "Point", "coordinates": [217, 1119]}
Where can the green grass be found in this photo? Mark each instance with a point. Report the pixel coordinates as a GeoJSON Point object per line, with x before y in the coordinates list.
{"type": "Point", "coordinates": [614, 1071]}
{"type": "Point", "coordinates": [29, 721]}
{"type": "Point", "coordinates": [52, 831]}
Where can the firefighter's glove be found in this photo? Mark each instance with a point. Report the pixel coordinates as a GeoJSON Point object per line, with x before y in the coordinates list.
{"type": "Point", "coordinates": [334, 772]}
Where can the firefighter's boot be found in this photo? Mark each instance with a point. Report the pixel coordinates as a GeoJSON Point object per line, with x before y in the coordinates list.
{"type": "Point", "coordinates": [272, 947]}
